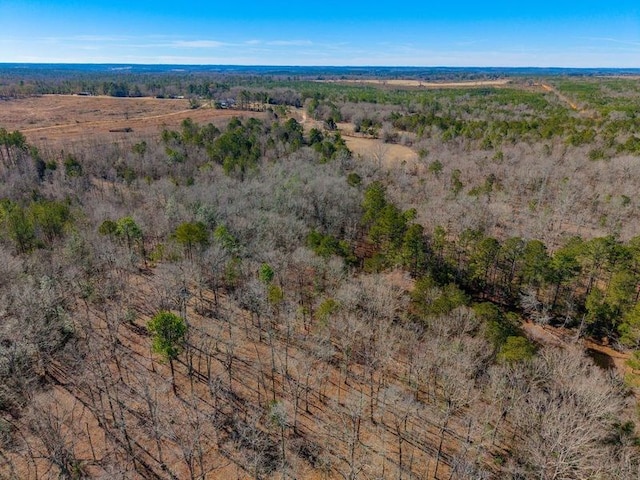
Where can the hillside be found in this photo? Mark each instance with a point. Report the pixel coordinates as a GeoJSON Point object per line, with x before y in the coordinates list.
{"type": "Point", "coordinates": [328, 280]}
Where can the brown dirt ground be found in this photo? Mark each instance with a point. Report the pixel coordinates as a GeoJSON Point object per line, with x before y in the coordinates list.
{"type": "Point", "coordinates": [367, 148]}
{"type": "Point", "coordinates": [419, 83]}
{"type": "Point", "coordinates": [60, 120]}
{"type": "Point", "coordinates": [387, 154]}
{"type": "Point", "coordinates": [562, 337]}
{"type": "Point", "coordinates": [250, 357]}
{"type": "Point", "coordinates": [57, 120]}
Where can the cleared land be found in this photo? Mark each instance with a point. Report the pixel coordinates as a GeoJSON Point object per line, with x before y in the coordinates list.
{"type": "Point", "coordinates": [57, 120]}
{"type": "Point", "coordinates": [418, 83]}
{"type": "Point", "coordinates": [61, 120]}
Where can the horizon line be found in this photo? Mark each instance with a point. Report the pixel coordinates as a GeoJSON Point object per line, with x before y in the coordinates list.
{"type": "Point", "coordinates": [454, 67]}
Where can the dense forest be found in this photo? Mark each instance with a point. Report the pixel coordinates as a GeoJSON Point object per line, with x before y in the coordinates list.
{"type": "Point", "coordinates": [249, 298]}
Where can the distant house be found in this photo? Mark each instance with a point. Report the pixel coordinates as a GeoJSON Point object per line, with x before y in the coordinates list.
{"type": "Point", "coordinates": [228, 103]}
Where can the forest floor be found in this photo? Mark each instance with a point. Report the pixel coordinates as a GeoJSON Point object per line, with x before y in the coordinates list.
{"type": "Point", "coordinates": [603, 354]}
{"type": "Point", "coordinates": [231, 378]}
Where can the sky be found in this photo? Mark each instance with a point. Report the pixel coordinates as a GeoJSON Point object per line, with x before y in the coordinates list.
{"type": "Point", "coordinates": [535, 33]}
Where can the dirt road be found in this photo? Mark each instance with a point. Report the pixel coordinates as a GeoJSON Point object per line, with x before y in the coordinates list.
{"type": "Point", "coordinates": [562, 97]}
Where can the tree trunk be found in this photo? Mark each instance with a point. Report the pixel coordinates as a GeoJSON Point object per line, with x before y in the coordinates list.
{"type": "Point", "coordinates": [173, 377]}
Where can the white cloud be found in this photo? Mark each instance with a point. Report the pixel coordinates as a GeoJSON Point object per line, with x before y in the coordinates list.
{"type": "Point", "coordinates": [290, 43]}
{"type": "Point", "coordinates": [97, 38]}
{"type": "Point", "coordinates": [617, 40]}
{"type": "Point", "coordinates": [464, 51]}
{"type": "Point", "coordinates": [197, 44]}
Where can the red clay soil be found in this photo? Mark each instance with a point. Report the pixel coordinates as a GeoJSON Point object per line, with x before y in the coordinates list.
{"type": "Point", "coordinates": [121, 361]}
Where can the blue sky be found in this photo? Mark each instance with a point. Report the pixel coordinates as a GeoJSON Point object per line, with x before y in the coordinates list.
{"type": "Point", "coordinates": [414, 33]}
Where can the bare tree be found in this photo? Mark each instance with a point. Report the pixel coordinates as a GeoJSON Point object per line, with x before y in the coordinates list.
{"type": "Point", "coordinates": [52, 424]}
{"type": "Point", "coordinates": [400, 405]}
{"type": "Point", "coordinates": [350, 451]}
{"type": "Point", "coordinates": [578, 401]}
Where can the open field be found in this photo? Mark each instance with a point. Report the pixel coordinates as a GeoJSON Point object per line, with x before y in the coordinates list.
{"type": "Point", "coordinates": [384, 154]}
{"type": "Point", "coordinates": [58, 120]}
{"type": "Point", "coordinates": [419, 83]}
